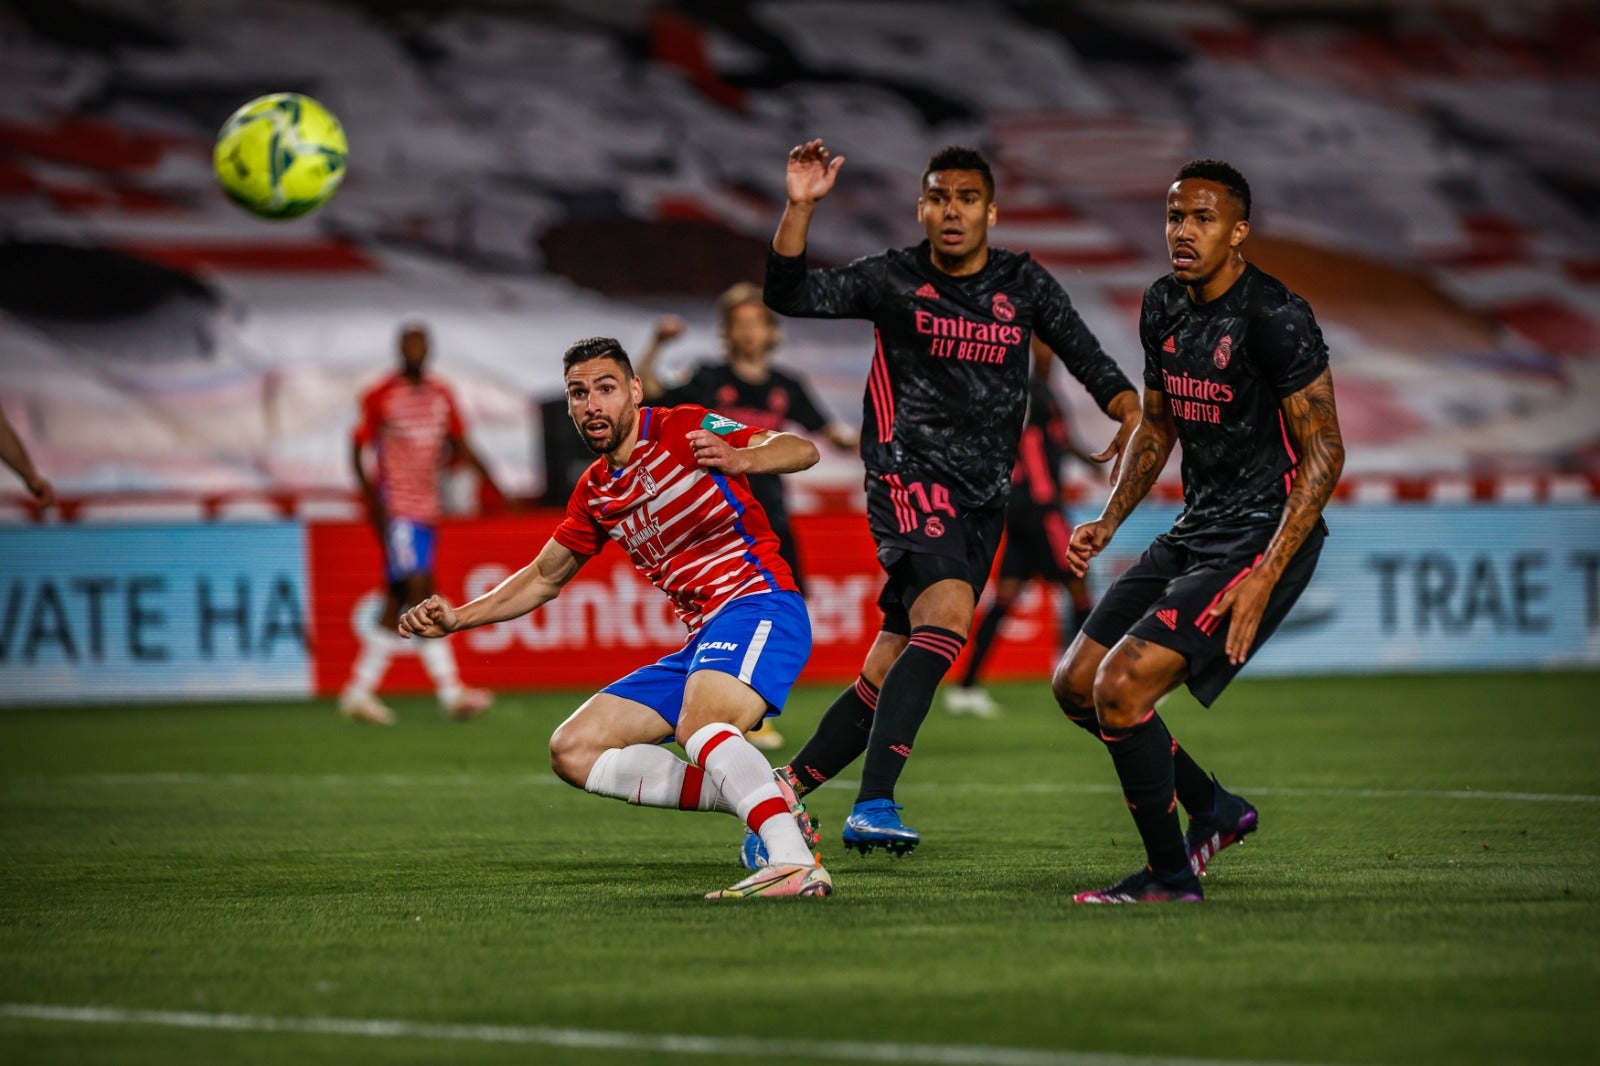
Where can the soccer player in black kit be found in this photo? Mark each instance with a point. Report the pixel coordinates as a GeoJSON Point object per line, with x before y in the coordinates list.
{"type": "Point", "coordinates": [1236, 371]}
{"type": "Point", "coordinates": [943, 412]}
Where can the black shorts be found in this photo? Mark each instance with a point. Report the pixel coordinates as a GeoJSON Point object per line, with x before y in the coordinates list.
{"type": "Point", "coordinates": [1036, 544]}
{"type": "Point", "coordinates": [923, 538]}
{"type": "Point", "coordinates": [1165, 596]}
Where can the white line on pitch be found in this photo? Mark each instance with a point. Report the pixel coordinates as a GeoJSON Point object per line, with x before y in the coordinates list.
{"type": "Point", "coordinates": [747, 1047]}
{"type": "Point", "coordinates": [959, 788]}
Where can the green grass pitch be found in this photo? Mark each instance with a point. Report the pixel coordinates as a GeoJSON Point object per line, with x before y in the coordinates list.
{"type": "Point", "coordinates": [1423, 888]}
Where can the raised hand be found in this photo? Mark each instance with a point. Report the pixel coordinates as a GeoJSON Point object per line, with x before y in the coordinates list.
{"type": "Point", "coordinates": [811, 173]}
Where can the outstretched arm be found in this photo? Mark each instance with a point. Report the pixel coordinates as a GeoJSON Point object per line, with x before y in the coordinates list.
{"type": "Point", "coordinates": [1312, 420]}
{"type": "Point", "coordinates": [769, 452]}
{"type": "Point", "coordinates": [1146, 456]}
{"type": "Point", "coordinates": [809, 177]}
{"type": "Point", "coordinates": [16, 456]}
{"type": "Point", "coordinates": [529, 588]}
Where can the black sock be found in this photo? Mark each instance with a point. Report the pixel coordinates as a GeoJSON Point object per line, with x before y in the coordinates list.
{"type": "Point", "coordinates": [983, 638]}
{"type": "Point", "coordinates": [840, 738]}
{"type": "Point", "coordinates": [907, 694]}
{"type": "Point", "coordinates": [1143, 758]}
{"type": "Point", "coordinates": [1196, 791]}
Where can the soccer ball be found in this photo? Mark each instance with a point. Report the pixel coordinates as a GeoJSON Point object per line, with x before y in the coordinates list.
{"type": "Point", "coordinates": [280, 156]}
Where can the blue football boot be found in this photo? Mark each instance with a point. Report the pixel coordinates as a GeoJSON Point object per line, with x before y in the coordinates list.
{"type": "Point", "coordinates": [876, 824]}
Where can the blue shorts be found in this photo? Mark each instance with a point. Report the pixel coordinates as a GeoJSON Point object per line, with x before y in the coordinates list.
{"type": "Point", "coordinates": [407, 549]}
{"type": "Point", "coordinates": [763, 639]}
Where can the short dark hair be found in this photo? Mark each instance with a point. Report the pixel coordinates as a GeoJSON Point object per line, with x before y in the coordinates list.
{"type": "Point", "coordinates": [1224, 174]}
{"type": "Point", "coordinates": [960, 157]}
{"type": "Point", "coordinates": [596, 348]}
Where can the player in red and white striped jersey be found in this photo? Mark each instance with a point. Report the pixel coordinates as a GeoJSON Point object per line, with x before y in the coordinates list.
{"type": "Point", "coordinates": [670, 489]}
{"type": "Point", "coordinates": [411, 424]}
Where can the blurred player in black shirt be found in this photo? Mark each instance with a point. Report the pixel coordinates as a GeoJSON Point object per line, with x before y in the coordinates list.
{"type": "Point", "coordinates": [1236, 371]}
{"type": "Point", "coordinates": [944, 406]}
{"type": "Point", "coordinates": [1037, 533]}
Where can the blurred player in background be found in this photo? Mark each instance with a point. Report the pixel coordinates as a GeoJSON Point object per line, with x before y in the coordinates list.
{"type": "Point", "coordinates": [1037, 532]}
{"type": "Point", "coordinates": [16, 456]}
{"type": "Point", "coordinates": [412, 427]}
{"type": "Point", "coordinates": [1236, 371]}
{"type": "Point", "coordinates": [670, 487]}
{"type": "Point", "coordinates": [943, 411]}
{"type": "Point", "coordinates": [746, 387]}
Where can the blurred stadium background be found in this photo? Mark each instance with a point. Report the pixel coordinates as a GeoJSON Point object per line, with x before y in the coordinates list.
{"type": "Point", "coordinates": [525, 174]}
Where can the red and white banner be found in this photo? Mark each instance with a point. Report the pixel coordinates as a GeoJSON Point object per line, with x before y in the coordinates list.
{"type": "Point", "coordinates": [610, 620]}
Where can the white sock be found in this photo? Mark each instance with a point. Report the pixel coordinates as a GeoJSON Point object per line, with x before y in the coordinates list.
{"type": "Point", "coordinates": [743, 775]}
{"type": "Point", "coordinates": [378, 645]}
{"type": "Point", "coordinates": [439, 659]}
{"type": "Point", "coordinates": [648, 775]}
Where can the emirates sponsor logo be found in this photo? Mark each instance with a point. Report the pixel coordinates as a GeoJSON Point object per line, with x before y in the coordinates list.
{"type": "Point", "coordinates": [964, 329]}
{"type": "Point", "coordinates": [1193, 388]}
{"type": "Point", "coordinates": [934, 528]}
{"type": "Point", "coordinates": [1223, 353]}
{"type": "Point", "coordinates": [1001, 307]}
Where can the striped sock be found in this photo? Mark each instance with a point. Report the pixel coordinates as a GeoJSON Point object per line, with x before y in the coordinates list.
{"type": "Point", "coordinates": [648, 775]}
{"type": "Point", "coordinates": [744, 777]}
{"type": "Point", "coordinates": [903, 704]}
{"type": "Point", "coordinates": [840, 738]}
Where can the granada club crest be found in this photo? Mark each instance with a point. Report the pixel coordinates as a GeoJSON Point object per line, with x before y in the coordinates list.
{"type": "Point", "coordinates": [934, 528]}
{"type": "Point", "coordinates": [1002, 307]}
{"type": "Point", "coordinates": [1223, 353]}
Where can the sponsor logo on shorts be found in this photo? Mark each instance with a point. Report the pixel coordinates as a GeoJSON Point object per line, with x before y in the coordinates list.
{"type": "Point", "coordinates": [934, 528]}
{"type": "Point", "coordinates": [717, 645]}
{"type": "Point", "coordinates": [1169, 617]}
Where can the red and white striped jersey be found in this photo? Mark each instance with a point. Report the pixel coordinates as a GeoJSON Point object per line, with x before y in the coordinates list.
{"type": "Point", "coordinates": [696, 534]}
{"type": "Point", "coordinates": [410, 424]}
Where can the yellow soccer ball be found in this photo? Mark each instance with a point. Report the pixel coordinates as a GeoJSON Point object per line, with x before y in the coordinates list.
{"type": "Point", "coordinates": [280, 156]}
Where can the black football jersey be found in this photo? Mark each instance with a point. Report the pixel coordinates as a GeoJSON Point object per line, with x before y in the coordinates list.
{"type": "Point", "coordinates": [772, 404]}
{"type": "Point", "coordinates": [1225, 366]}
{"type": "Point", "coordinates": [949, 380]}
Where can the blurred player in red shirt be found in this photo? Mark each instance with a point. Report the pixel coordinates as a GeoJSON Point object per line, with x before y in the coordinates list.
{"type": "Point", "coordinates": [412, 427]}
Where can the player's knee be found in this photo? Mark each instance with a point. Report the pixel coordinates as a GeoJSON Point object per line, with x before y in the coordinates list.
{"type": "Point", "coordinates": [572, 756]}
{"type": "Point", "coordinates": [1117, 699]}
{"type": "Point", "coordinates": [1072, 684]}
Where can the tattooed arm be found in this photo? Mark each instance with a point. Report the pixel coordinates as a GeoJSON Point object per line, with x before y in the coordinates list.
{"type": "Point", "coordinates": [1313, 424]}
{"type": "Point", "coordinates": [1141, 464]}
